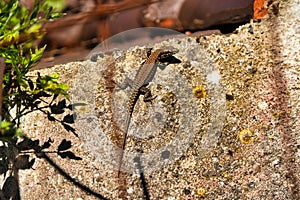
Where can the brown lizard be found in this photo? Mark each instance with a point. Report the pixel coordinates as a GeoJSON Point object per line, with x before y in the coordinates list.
{"type": "Point", "coordinates": [158, 58]}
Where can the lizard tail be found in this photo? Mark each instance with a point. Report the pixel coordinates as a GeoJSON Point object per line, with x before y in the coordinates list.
{"type": "Point", "coordinates": [132, 100]}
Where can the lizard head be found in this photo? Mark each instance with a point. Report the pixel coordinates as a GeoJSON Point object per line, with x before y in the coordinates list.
{"type": "Point", "coordinates": [166, 55]}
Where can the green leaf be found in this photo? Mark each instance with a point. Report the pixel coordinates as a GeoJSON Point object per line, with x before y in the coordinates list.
{"type": "Point", "coordinates": [5, 125]}
{"type": "Point", "coordinates": [55, 75]}
{"type": "Point", "coordinates": [57, 15]}
{"type": "Point", "coordinates": [34, 28]}
{"type": "Point", "coordinates": [23, 83]}
{"type": "Point", "coordinates": [63, 86]}
{"type": "Point", "coordinates": [58, 6]}
{"type": "Point", "coordinates": [12, 7]}
{"type": "Point", "coordinates": [34, 57]}
{"type": "Point", "coordinates": [30, 83]}
{"type": "Point", "coordinates": [35, 12]}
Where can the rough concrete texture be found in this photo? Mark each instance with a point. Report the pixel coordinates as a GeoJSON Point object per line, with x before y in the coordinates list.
{"type": "Point", "coordinates": [257, 153]}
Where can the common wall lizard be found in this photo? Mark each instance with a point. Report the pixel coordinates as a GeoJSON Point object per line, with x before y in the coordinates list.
{"type": "Point", "coordinates": [146, 72]}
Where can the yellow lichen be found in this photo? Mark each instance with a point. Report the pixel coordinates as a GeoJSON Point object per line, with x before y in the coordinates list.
{"type": "Point", "coordinates": [201, 191]}
{"type": "Point", "coordinates": [225, 174]}
{"type": "Point", "coordinates": [199, 92]}
{"type": "Point", "coordinates": [246, 136]}
{"type": "Point", "coordinates": [271, 137]}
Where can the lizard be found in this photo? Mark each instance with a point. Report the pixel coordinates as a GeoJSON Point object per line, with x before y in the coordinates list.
{"type": "Point", "coordinates": [144, 75]}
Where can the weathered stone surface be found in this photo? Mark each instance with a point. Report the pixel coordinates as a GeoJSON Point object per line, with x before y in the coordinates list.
{"type": "Point", "coordinates": [257, 152]}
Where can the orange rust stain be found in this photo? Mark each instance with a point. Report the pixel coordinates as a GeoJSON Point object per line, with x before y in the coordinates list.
{"type": "Point", "coordinates": [259, 10]}
{"type": "Point", "coordinates": [167, 23]}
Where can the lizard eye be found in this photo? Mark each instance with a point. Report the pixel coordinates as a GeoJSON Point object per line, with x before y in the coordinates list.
{"type": "Point", "coordinates": [168, 58]}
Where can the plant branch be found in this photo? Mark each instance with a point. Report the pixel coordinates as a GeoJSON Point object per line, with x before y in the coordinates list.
{"type": "Point", "coordinates": [2, 69]}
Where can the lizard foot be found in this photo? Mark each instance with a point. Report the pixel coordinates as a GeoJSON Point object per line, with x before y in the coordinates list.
{"type": "Point", "coordinates": [147, 94]}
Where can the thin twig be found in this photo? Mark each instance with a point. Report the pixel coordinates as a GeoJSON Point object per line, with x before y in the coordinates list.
{"type": "Point", "coordinates": [2, 69]}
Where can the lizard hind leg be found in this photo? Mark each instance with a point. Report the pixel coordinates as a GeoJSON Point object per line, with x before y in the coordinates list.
{"type": "Point", "coordinates": [146, 92]}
